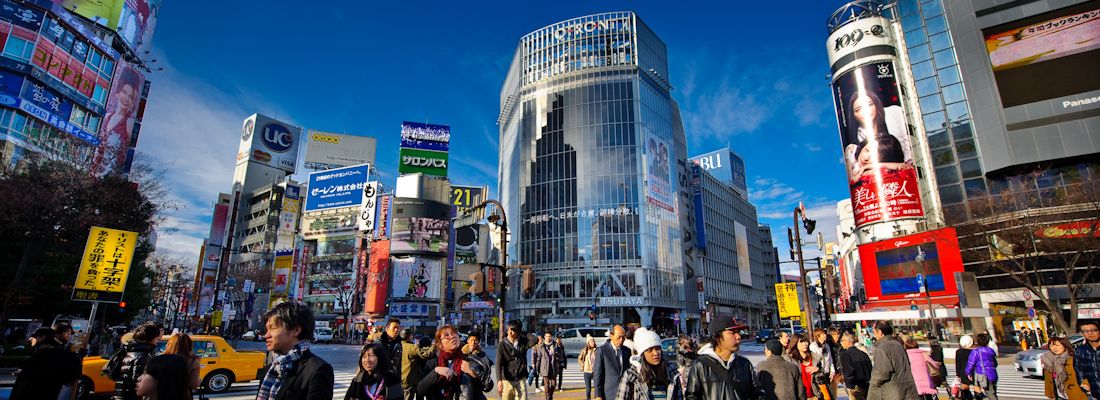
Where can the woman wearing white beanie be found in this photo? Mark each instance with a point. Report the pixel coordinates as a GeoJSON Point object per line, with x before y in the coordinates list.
{"type": "Point", "coordinates": [962, 381]}
{"type": "Point", "coordinates": [649, 376]}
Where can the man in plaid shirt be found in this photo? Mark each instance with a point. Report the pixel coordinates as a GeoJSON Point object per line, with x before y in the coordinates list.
{"type": "Point", "coordinates": [1087, 356]}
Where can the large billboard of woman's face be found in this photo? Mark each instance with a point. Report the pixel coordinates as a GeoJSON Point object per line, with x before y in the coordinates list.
{"type": "Point", "coordinates": [882, 179]}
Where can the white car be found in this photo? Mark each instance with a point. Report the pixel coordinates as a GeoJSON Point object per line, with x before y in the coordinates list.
{"type": "Point", "coordinates": [250, 335]}
{"type": "Point", "coordinates": [1027, 362]}
{"type": "Point", "coordinates": [574, 339]}
{"type": "Point", "coordinates": [322, 335]}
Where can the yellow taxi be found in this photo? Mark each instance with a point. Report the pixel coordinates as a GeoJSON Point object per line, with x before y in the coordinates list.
{"type": "Point", "coordinates": [221, 365]}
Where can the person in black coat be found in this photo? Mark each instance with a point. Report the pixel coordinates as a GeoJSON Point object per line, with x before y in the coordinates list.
{"type": "Point", "coordinates": [449, 375]}
{"type": "Point", "coordinates": [612, 360]}
{"type": "Point", "coordinates": [128, 364]}
{"type": "Point", "coordinates": [50, 366]}
{"type": "Point", "coordinates": [375, 379]}
{"type": "Point", "coordinates": [962, 357]}
{"type": "Point", "coordinates": [296, 372]}
{"type": "Point", "coordinates": [512, 364]}
{"type": "Point", "coordinates": [855, 365]}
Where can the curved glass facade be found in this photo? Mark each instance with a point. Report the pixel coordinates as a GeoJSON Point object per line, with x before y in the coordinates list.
{"type": "Point", "coordinates": [586, 138]}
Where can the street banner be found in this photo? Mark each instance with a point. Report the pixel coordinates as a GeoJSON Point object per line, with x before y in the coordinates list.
{"type": "Point", "coordinates": [378, 278]}
{"type": "Point", "coordinates": [786, 297]}
{"type": "Point", "coordinates": [368, 207]}
{"type": "Point", "coordinates": [105, 265]}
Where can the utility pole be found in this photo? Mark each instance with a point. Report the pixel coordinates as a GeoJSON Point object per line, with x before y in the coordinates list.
{"type": "Point", "coordinates": [800, 216]}
{"type": "Point", "coordinates": [501, 216]}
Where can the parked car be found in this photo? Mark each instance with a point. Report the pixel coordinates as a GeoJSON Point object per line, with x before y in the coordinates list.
{"type": "Point", "coordinates": [322, 335]}
{"type": "Point", "coordinates": [250, 335]}
{"type": "Point", "coordinates": [1027, 361]}
{"type": "Point", "coordinates": [220, 366]}
{"type": "Point", "coordinates": [574, 339]}
{"type": "Point", "coordinates": [766, 334]}
{"type": "Point", "coordinates": [669, 349]}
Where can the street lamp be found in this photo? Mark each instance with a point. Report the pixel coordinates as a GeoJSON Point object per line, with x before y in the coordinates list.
{"type": "Point", "coordinates": [927, 293]}
{"type": "Point", "coordinates": [500, 218]}
{"type": "Point", "coordinates": [809, 224]}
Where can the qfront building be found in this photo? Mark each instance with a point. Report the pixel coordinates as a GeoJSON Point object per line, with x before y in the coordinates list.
{"type": "Point", "coordinates": [593, 176]}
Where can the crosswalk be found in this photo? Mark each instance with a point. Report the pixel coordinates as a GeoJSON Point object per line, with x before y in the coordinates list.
{"type": "Point", "coordinates": [247, 390]}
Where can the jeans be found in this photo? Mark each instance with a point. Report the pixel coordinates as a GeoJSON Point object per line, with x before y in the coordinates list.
{"type": "Point", "coordinates": [587, 386]}
{"type": "Point", "coordinates": [533, 376]}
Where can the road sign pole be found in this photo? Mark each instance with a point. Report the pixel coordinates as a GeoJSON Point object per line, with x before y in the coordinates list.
{"type": "Point", "coordinates": [91, 324]}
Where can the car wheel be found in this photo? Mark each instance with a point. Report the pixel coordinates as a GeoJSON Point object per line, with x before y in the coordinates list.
{"type": "Point", "coordinates": [84, 388]}
{"type": "Point", "coordinates": [218, 381]}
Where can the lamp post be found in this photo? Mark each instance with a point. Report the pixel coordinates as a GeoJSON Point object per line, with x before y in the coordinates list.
{"type": "Point", "coordinates": [809, 224]}
{"type": "Point", "coordinates": [927, 293]}
{"type": "Point", "coordinates": [499, 217]}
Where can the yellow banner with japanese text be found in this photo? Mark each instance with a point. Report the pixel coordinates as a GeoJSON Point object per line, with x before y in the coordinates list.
{"type": "Point", "coordinates": [786, 298]}
{"type": "Point", "coordinates": [105, 265]}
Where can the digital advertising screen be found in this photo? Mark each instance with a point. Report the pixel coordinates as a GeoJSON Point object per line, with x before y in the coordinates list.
{"type": "Point", "coordinates": [419, 234]}
{"type": "Point", "coordinates": [892, 269]}
{"type": "Point", "coordinates": [416, 278]}
{"type": "Point", "coordinates": [1046, 56]}
{"type": "Point", "coordinates": [882, 179]}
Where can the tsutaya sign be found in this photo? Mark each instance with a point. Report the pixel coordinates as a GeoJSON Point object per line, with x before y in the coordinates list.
{"type": "Point", "coordinates": [580, 29]}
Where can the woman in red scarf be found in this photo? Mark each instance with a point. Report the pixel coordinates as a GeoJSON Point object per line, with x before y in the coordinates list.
{"type": "Point", "coordinates": [451, 372]}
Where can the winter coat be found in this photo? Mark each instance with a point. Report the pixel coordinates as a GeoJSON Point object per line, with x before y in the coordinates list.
{"type": "Point", "coordinates": [982, 361]}
{"type": "Point", "coordinates": [633, 388]}
{"type": "Point", "coordinates": [126, 366]}
{"type": "Point", "coordinates": [406, 359]}
{"type": "Point", "coordinates": [548, 360]}
{"type": "Point", "coordinates": [816, 378]}
{"type": "Point", "coordinates": [50, 367]}
{"type": "Point", "coordinates": [587, 359]}
{"type": "Point", "coordinates": [962, 357]}
{"type": "Point", "coordinates": [919, 362]}
{"type": "Point", "coordinates": [607, 372]}
{"type": "Point", "coordinates": [482, 367]}
{"type": "Point", "coordinates": [1073, 388]}
{"type": "Point", "coordinates": [826, 353]}
{"type": "Point", "coordinates": [711, 378]}
{"type": "Point", "coordinates": [434, 387]}
{"type": "Point", "coordinates": [778, 379]}
{"type": "Point", "coordinates": [891, 378]}
{"type": "Point", "coordinates": [311, 379]}
{"type": "Point", "coordinates": [855, 365]}
{"type": "Point", "coordinates": [512, 360]}
{"type": "Point", "coordinates": [390, 391]}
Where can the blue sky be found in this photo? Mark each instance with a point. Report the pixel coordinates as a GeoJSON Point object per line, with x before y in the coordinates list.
{"type": "Point", "coordinates": [747, 74]}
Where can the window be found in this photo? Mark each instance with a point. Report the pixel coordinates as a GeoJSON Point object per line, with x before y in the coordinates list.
{"type": "Point", "coordinates": [940, 41]}
{"type": "Point", "coordinates": [949, 75]}
{"type": "Point", "coordinates": [99, 95]}
{"type": "Point", "coordinates": [919, 54]}
{"type": "Point", "coordinates": [922, 70]}
{"type": "Point", "coordinates": [947, 175]}
{"type": "Point", "coordinates": [970, 168]}
{"type": "Point", "coordinates": [932, 8]}
{"type": "Point", "coordinates": [935, 25]}
{"type": "Point", "coordinates": [944, 58]}
{"type": "Point", "coordinates": [934, 121]}
{"type": "Point", "coordinates": [19, 49]}
{"type": "Point", "coordinates": [944, 156]}
{"type": "Point", "coordinates": [953, 93]}
{"type": "Point", "coordinates": [84, 119]}
{"type": "Point", "coordinates": [930, 104]}
{"type": "Point", "coordinates": [957, 111]}
{"type": "Point", "coordinates": [951, 194]}
{"type": "Point", "coordinates": [916, 37]}
{"type": "Point", "coordinates": [966, 149]}
{"type": "Point", "coordinates": [928, 86]}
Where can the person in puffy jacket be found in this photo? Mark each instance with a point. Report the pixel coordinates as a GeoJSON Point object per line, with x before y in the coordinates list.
{"type": "Point", "coordinates": [719, 373]}
{"type": "Point", "coordinates": [449, 374]}
{"type": "Point", "coordinates": [982, 368]}
{"type": "Point", "coordinates": [128, 364]}
{"type": "Point", "coordinates": [480, 365]}
{"type": "Point", "coordinates": [919, 363]}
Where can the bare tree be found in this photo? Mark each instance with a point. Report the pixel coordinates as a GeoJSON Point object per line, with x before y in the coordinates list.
{"type": "Point", "coordinates": [1046, 240]}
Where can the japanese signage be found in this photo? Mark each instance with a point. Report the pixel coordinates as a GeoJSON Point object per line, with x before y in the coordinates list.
{"type": "Point", "coordinates": [875, 135]}
{"type": "Point", "coordinates": [408, 310]}
{"type": "Point", "coordinates": [326, 150]}
{"type": "Point", "coordinates": [368, 206]}
{"type": "Point", "coordinates": [342, 187]}
{"type": "Point", "coordinates": [872, 32]}
{"type": "Point", "coordinates": [1047, 40]}
{"type": "Point", "coordinates": [786, 298]}
{"type": "Point", "coordinates": [725, 165]}
{"type": "Point", "coordinates": [580, 213]}
{"type": "Point", "coordinates": [280, 279]}
{"type": "Point", "coordinates": [1071, 230]}
{"type": "Point", "coordinates": [697, 201]}
{"type": "Point", "coordinates": [333, 222]}
{"type": "Point", "coordinates": [105, 265]}
{"type": "Point", "coordinates": [423, 161]}
{"type": "Point", "coordinates": [382, 224]}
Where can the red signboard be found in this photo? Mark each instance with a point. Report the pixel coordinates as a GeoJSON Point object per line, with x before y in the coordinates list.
{"type": "Point", "coordinates": [378, 278]}
{"type": "Point", "coordinates": [891, 269]}
{"type": "Point", "coordinates": [1070, 230]}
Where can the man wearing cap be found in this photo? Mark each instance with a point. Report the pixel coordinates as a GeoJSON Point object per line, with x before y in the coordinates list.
{"type": "Point", "coordinates": [612, 360]}
{"type": "Point", "coordinates": [778, 378]}
{"type": "Point", "coordinates": [720, 360]}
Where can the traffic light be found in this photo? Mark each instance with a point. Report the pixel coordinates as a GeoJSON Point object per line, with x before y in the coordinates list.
{"type": "Point", "coordinates": [790, 242]}
{"type": "Point", "coordinates": [592, 312]}
{"type": "Point", "coordinates": [122, 306]}
{"type": "Point", "coordinates": [527, 281]}
{"type": "Point", "coordinates": [259, 290]}
{"type": "Point", "coordinates": [477, 283]}
{"type": "Point", "coordinates": [809, 224]}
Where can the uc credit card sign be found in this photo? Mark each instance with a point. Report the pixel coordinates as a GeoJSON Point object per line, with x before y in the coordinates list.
{"type": "Point", "coordinates": [341, 187]}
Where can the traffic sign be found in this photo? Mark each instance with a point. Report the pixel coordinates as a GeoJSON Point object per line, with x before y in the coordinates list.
{"type": "Point", "coordinates": [1029, 303]}
{"type": "Point", "coordinates": [1027, 294]}
{"type": "Point", "coordinates": [1031, 312]}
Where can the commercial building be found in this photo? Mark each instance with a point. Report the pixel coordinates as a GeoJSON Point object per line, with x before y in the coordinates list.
{"type": "Point", "coordinates": [72, 83]}
{"type": "Point", "coordinates": [592, 157]}
{"type": "Point", "coordinates": [738, 265]}
{"type": "Point", "coordinates": [1001, 102]}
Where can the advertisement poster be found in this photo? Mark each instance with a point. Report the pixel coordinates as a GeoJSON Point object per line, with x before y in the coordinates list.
{"type": "Point", "coordinates": [420, 234]}
{"type": "Point", "coordinates": [342, 187]}
{"type": "Point", "coordinates": [891, 269]}
{"type": "Point", "coordinates": [873, 131]}
{"type": "Point", "coordinates": [1059, 37]}
{"type": "Point", "coordinates": [105, 265]}
{"type": "Point", "coordinates": [284, 261]}
{"type": "Point", "coordinates": [378, 278]}
{"type": "Point", "coordinates": [382, 224]}
{"type": "Point", "coordinates": [206, 293]}
{"type": "Point", "coordinates": [325, 150]}
{"type": "Point", "coordinates": [266, 141]}
{"type": "Point", "coordinates": [786, 297]}
{"type": "Point", "coordinates": [697, 201]}
{"type": "Point", "coordinates": [117, 127]}
{"type": "Point", "coordinates": [416, 278]}
{"type": "Point", "coordinates": [658, 174]}
{"type": "Point", "coordinates": [741, 236]}
{"type": "Point", "coordinates": [340, 222]}
{"type": "Point", "coordinates": [423, 161]}
{"type": "Point", "coordinates": [416, 135]}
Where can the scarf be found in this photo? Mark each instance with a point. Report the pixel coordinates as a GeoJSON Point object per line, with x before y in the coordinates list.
{"type": "Point", "coordinates": [276, 374]}
{"type": "Point", "coordinates": [456, 358]}
{"type": "Point", "coordinates": [1056, 364]}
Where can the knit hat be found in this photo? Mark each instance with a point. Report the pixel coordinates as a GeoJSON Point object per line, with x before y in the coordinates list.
{"type": "Point", "coordinates": [774, 346]}
{"type": "Point", "coordinates": [644, 339]}
{"type": "Point", "coordinates": [966, 341]}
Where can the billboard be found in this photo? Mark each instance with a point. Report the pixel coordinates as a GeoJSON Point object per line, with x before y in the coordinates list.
{"type": "Point", "coordinates": [882, 179]}
{"type": "Point", "coordinates": [342, 221]}
{"type": "Point", "coordinates": [266, 141]}
{"type": "Point", "coordinates": [206, 292]}
{"type": "Point", "coordinates": [218, 224]}
{"type": "Point", "coordinates": [658, 174]}
{"type": "Point", "coordinates": [288, 213]}
{"type": "Point", "coordinates": [117, 128]}
{"type": "Point", "coordinates": [423, 161]}
{"type": "Point", "coordinates": [744, 271]}
{"type": "Point", "coordinates": [419, 235]}
{"type": "Point", "coordinates": [697, 201]}
{"type": "Point", "coordinates": [416, 278]}
{"type": "Point", "coordinates": [368, 206]}
{"type": "Point", "coordinates": [105, 265]}
{"type": "Point", "coordinates": [378, 278]}
{"type": "Point", "coordinates": [326, 150]}
{"type": "Point", "coordinates": [133, 20]}
{"type": "Point", "coordinates": [1046, 56]}
{"type": "Point", "coordinates": [382, 224]}
{"type": "Point", "coordinates": [725, 165]}
{"type": "Point", "coordinates": [416, 135]}
{"type": "Point", "coordinates": [280, 277]}
{"type": "Point", "coordinates": [786, 298]}
{"type": "Point", "coordinates": [341, 187]}
{"type": "Point", "coordinates": [891, 270]}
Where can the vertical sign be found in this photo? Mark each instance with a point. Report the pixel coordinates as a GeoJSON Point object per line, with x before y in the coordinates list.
{"type": "Point", "coordinates": [105, 265]}
{"type": "Point", "coordinates": [697, 199]}
{"type": "Point", "coordinates": [786, 298]}
{"type": "Point", "coordinates": [368, 207]}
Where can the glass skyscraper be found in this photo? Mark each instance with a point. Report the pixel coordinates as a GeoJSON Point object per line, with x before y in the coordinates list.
{"type": "Point", "coordinates": [591, 150]}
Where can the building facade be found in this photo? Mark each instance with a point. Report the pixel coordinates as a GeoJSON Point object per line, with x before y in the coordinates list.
{"type": "Point", "coordinates": [592, 158]}
{"type": "Point", "coordinates": [738, 262]}
{"type": "Point", "coordinates": [71, 89]}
